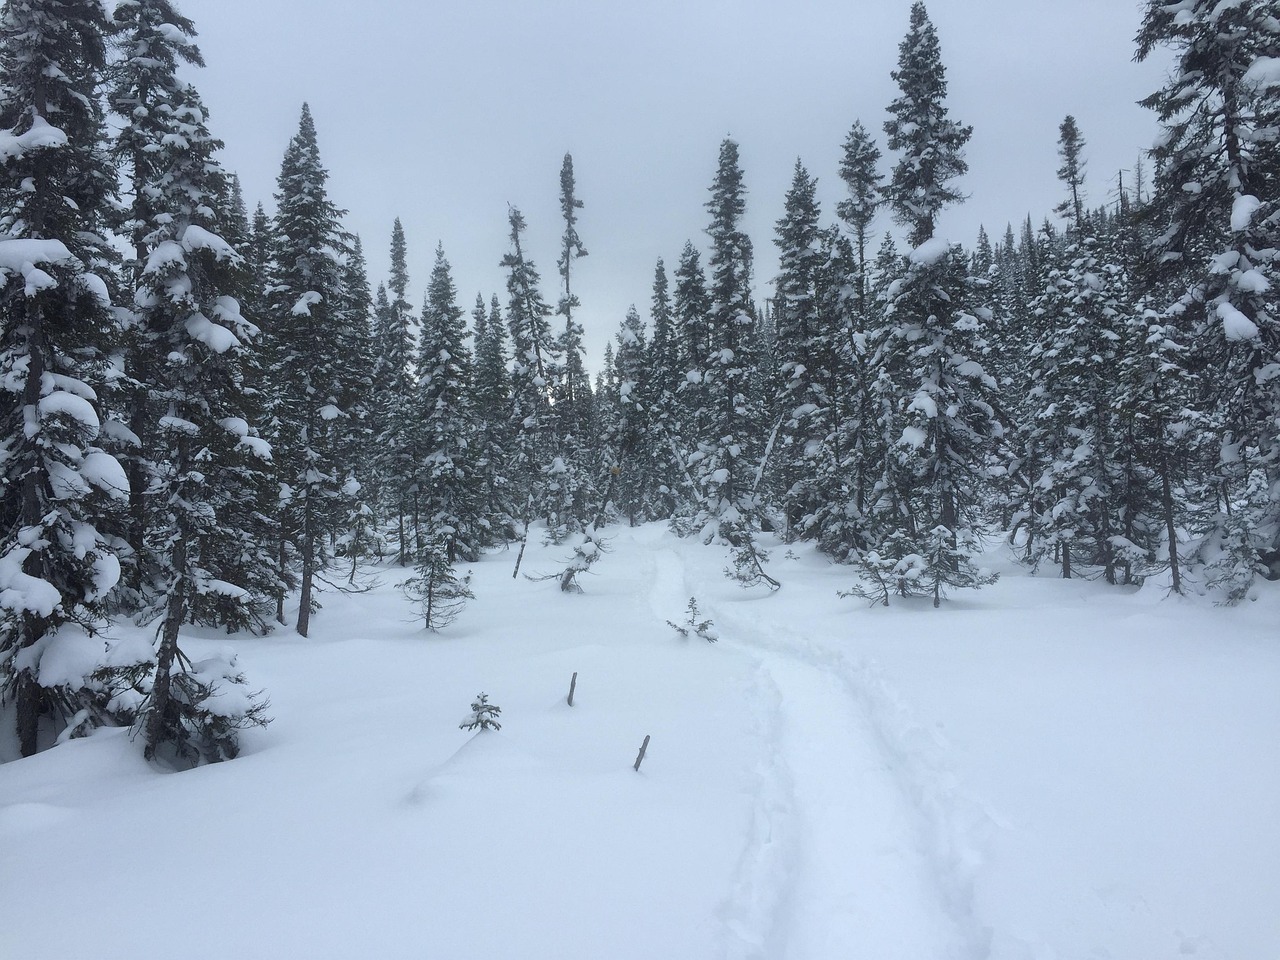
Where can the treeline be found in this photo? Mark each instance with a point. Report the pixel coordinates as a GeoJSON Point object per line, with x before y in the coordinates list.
{"type": "Point", "coordinates": [206, 413]}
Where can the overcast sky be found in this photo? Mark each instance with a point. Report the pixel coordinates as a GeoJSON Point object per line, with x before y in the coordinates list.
{"type": "Point", "coordinates": [442, 113]}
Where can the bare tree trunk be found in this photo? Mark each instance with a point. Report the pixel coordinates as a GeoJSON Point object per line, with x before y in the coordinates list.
{"type": "Point", "coordinates": [28, 709]}
{"type": "Point", "coordinates": [175, 612]}
{"type": "Point", "coordinates": [308, 568]}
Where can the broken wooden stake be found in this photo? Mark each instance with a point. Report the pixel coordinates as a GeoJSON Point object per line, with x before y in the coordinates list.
{"type": "Point", "coordinates": [643, 747]}
{"type": "Point", "coordinates": [573, 684]}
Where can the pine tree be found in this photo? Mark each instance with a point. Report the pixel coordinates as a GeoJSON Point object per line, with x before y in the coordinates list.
{"type": "Point", "coordinates": [1216, 200]}
{"type": "Point", "coordinates": [730, 439]}
{"type": "Point", "coordinates": [306, 326]}
{"type": "Point", "coordinates": [633, 439]}
{"type": "Point", "coordinates": [859, 171]}
{"type": "Point", "coordinates": [435, 587]}
{"type": "Point", "coordinates": [491, 400]}
{"type": "Point", "coordinates": [935, 400]}
{"type": "Point", "coordinates": [58, 486]}
{"type": "Point", "coordinates": [204, 466]}
{"type": "Point", "coordinates": [930, 143]}
{"type": "Point", "coordinates": [805, 362]}
{"type": "Point", "coordinates": [1071, 149]}
{"type": "Point", "coordinates": [691, 311]}
{"type": "Point", "coordinates": [398, 450]}
{"type": "Point", "coordinates": [667, 378]}
{"type": "Point", "coordinates": [448, 427]}
{"type": "Point", "coordinates": [535, 363]}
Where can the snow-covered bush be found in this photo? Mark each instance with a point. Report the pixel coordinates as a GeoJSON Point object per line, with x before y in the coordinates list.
{"type": "Point", "coordinates": [483, 715]}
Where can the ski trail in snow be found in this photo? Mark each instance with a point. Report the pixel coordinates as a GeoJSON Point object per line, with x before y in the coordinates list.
{"type": "Point", "coordinates": [764, 880]}
{"type": "Point", "coordinates": [892, 842]}
{"type": "Point", "coordinates": [764, 875]}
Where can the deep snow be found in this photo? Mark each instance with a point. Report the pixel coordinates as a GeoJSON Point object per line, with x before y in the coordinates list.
{"type": "Point", "coordinates": [1042, 770]}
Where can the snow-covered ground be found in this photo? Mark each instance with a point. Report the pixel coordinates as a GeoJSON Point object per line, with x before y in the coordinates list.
{"type": "Point", "coordinates": [1043, 770]}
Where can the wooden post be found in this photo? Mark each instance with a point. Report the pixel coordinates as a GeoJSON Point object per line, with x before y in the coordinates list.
{"type": "Point", "coordinates": [643, 747]}
{"type": "Point", "coordinates": [573, 684]}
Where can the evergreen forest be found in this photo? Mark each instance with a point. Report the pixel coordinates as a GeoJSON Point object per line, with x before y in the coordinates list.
{"type": "Point", "coordinates": [212, 415]}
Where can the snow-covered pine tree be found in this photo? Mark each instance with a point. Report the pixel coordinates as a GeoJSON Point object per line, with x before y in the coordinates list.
{"type": "Point", "coordinates": [206, 471]}
{"type": "Point", "coordinates": [1217, 203]}
{"type": "Point", "coordinates": [806, 363]}
{"type": "Point", "coordinates": [691, 310]}
{"type": "Point", "coordinates": [573, 397]}
{"type": "Point", "coordinates": [1071, 173]}
{"type": "Point", "coordinates": [491, 400]}
{"type": "Point", "coordinates": [851, 456]}
{"type": "Point", "coordinates": [1083, 314]}
{"type": "Point", "coordinates": [859, 169]}
{"type": "Point", "coordinates": [309, 375]}
{"type": "Point", "coordinates": [535, 364]}
{"type": "Point", "coordinates": [397, 443]}
{"type": "Point", "coordinates": [666, 377]}
{"type": "Point", "coordinates": [935, 399]}
{"type": "Point", "coordinates": [451, 499]}
{"type": "Point", "coordinates": [730, 439]}
{"type": "Point", "coordinates": [60, 490]}
{"type": "Point", "coordinates": [360, 537]}
{"type": "Point", "coordinates": [637, 455]}
{"type": "Point", "coordinates": [929, 143]}
{"type": "Point", "coordinates": [435, 586]}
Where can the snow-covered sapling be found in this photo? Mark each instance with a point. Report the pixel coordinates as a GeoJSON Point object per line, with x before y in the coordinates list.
{"type": "Point", "coordinates": [437, 590]}
{"type": "Point", "coordinates": [483, 716]}
{"type": "Point", "coordinates": [696, 624]}
{"type": "Point", "coordinates": [585, 554]}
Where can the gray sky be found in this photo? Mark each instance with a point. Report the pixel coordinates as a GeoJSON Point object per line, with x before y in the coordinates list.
{"type": "Point", "coordinates": [442, 113]}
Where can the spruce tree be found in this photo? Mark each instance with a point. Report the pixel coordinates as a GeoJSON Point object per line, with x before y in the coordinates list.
{"type": "Point", "coordinates": [930, 144]}
{"type": "Point", "coordinates": [860, 173]}
{"type": "Point", "coordinates": [804, 357]}
{"type": "Point", "coordinates": [1071, 173]}
{"type": "Point", "coordinates": [397, 445]}
{"type": "Point", "coordinates": [535, 364]}
{"type": "Point", "coordinates": [667, 378]}
{"type": "Point", "coordinates": [1215, 207]}
{"type": "Point", "coordinates": [447, 421]}
{"type": "Point", "coordinates": [307, 316]}
{"type": "Point", "coordinates": [491, 399]}
{"type": "Point", "coordinates": [60, 489]}
{"type": "Point", "coordinates": [730, 439]}
{"type": "Point", "coordinates": [935, 400]}
{"type": "Point", "coordinates": [203, 465]}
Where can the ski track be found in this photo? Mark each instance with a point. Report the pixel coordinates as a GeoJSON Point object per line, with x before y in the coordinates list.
{"type": "Point", "coordinates": [753, 912]}
{"type": "Point", "coordinates": [859, 822]}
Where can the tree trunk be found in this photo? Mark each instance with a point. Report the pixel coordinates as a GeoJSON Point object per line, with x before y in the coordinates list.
{"type": "Point", "coordinates": [175, 612]}
{"type": "Point", "coordinates": [28, 709]}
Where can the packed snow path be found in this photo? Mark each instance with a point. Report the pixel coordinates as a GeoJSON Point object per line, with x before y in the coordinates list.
{"type": "Point", "coordinates": [1040, 771]}
{"type": "Point", "coordinates": [839, 853]}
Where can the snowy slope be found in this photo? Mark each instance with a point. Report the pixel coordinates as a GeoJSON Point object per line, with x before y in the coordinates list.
{"type": "Point", "coordinates": [1039, 771]}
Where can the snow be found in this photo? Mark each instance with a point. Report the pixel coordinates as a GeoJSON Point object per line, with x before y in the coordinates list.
{"type": "Point", "coordinates": [217, 338]}
{"type": "Point", "coordinates": [925, 404]}
{"type": "Point", "coordinates": [198, 238]}
{"type": "Point", "coordinates": [1042, 769]}
{"type": "Point", "coordinates": [1235, 325]}
{"type": "Point", "coordinates": [65, 403]}
{"type": "Point", "coordinates": [930, 252]}
{"type": "Point", "coordinates": [100, 469]}
{"type": "Point", "coordinates": [914, 437]}
{"type": "Point", "coordinates": [21, 592]}
{"type": "Point", "coordinates": [308, 300]}
{"type": "Point", "coordinates": [329, 412]}
{"type": "Point", "coordinates": [41, 136]}
{"type": "Point", "coordinates": [1242, 210]}
{"type": "Point", "coordinates": [1263, 73]}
